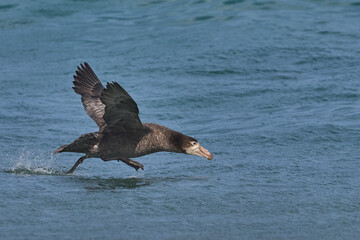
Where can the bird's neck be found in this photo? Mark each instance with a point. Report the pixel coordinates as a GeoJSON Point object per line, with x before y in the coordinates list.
{"type": "Point", "coordinates": [161, 138]}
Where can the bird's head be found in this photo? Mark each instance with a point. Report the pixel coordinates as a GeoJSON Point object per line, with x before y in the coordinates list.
{"type": "Point", "coordinates": [191, 146]}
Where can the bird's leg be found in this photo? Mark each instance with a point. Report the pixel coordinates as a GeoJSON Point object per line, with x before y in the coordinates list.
{"type": "Point", "coordinates": [128, 161]}
{"type": "Point", "coordinates": [76, 164]}
{"type": "Point", "coordinates": [132, 163]}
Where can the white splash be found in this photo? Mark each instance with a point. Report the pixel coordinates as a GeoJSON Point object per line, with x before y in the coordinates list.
{"type": "Point", "coordinates": [32, 162]}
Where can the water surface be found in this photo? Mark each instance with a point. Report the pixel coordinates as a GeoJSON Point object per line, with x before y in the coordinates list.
{"type": "Point", "coordinates": [271, 88]}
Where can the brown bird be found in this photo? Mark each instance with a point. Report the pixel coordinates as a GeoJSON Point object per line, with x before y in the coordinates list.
{"type": "Point", "coordinates": [121, 134]}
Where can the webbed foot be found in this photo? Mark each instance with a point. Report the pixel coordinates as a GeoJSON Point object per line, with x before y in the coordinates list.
{"type": "Point", "coordinates": [132, 163]}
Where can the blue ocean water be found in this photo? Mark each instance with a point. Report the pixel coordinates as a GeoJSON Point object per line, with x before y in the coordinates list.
{"type": "Point", "coordinates": [271, 88]}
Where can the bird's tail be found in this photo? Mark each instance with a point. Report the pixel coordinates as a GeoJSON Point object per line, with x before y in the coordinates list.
{"type": "Point", "coordinates": [81, 145]}
{"type": "Point", "coordinates": [61, 149]}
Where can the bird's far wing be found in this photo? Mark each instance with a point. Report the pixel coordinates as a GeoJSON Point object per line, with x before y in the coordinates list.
{"type": "Point", "coordinates": [121, 111]}
{"type": "Point", "coordinates": [88, 85]}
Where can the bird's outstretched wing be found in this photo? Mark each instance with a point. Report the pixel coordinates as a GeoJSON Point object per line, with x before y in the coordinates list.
{"type": "Point", "coordinates": [112, 108]}
{"type": "Point", "coordinates": [121, 111]}
{"type": "Point", "coordinates": [88, 85]}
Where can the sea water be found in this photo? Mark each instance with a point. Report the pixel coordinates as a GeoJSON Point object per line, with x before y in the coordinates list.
{"type": "Point", "coordinates": [271, 88]}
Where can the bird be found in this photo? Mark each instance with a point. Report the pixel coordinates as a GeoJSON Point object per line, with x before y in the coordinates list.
{"type": "Point", "coordinates": [121, 135]}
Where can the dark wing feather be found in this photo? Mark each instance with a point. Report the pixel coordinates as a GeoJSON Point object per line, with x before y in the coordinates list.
{"type": "Point", "coordinates": [88, 85]}
{"type": "Point", "coordinates": [121, 111]}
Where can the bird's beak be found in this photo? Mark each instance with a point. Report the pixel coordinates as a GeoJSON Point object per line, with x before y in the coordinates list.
{"type": "Point", "coordinates": [202, 152]}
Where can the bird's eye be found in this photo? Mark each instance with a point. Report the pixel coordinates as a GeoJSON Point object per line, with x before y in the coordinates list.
{"type": "Point", "coordinates": [194, 143]}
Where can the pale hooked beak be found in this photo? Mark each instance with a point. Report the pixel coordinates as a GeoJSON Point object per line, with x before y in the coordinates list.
{"type": "Point", "coordinates": [202, 152]}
